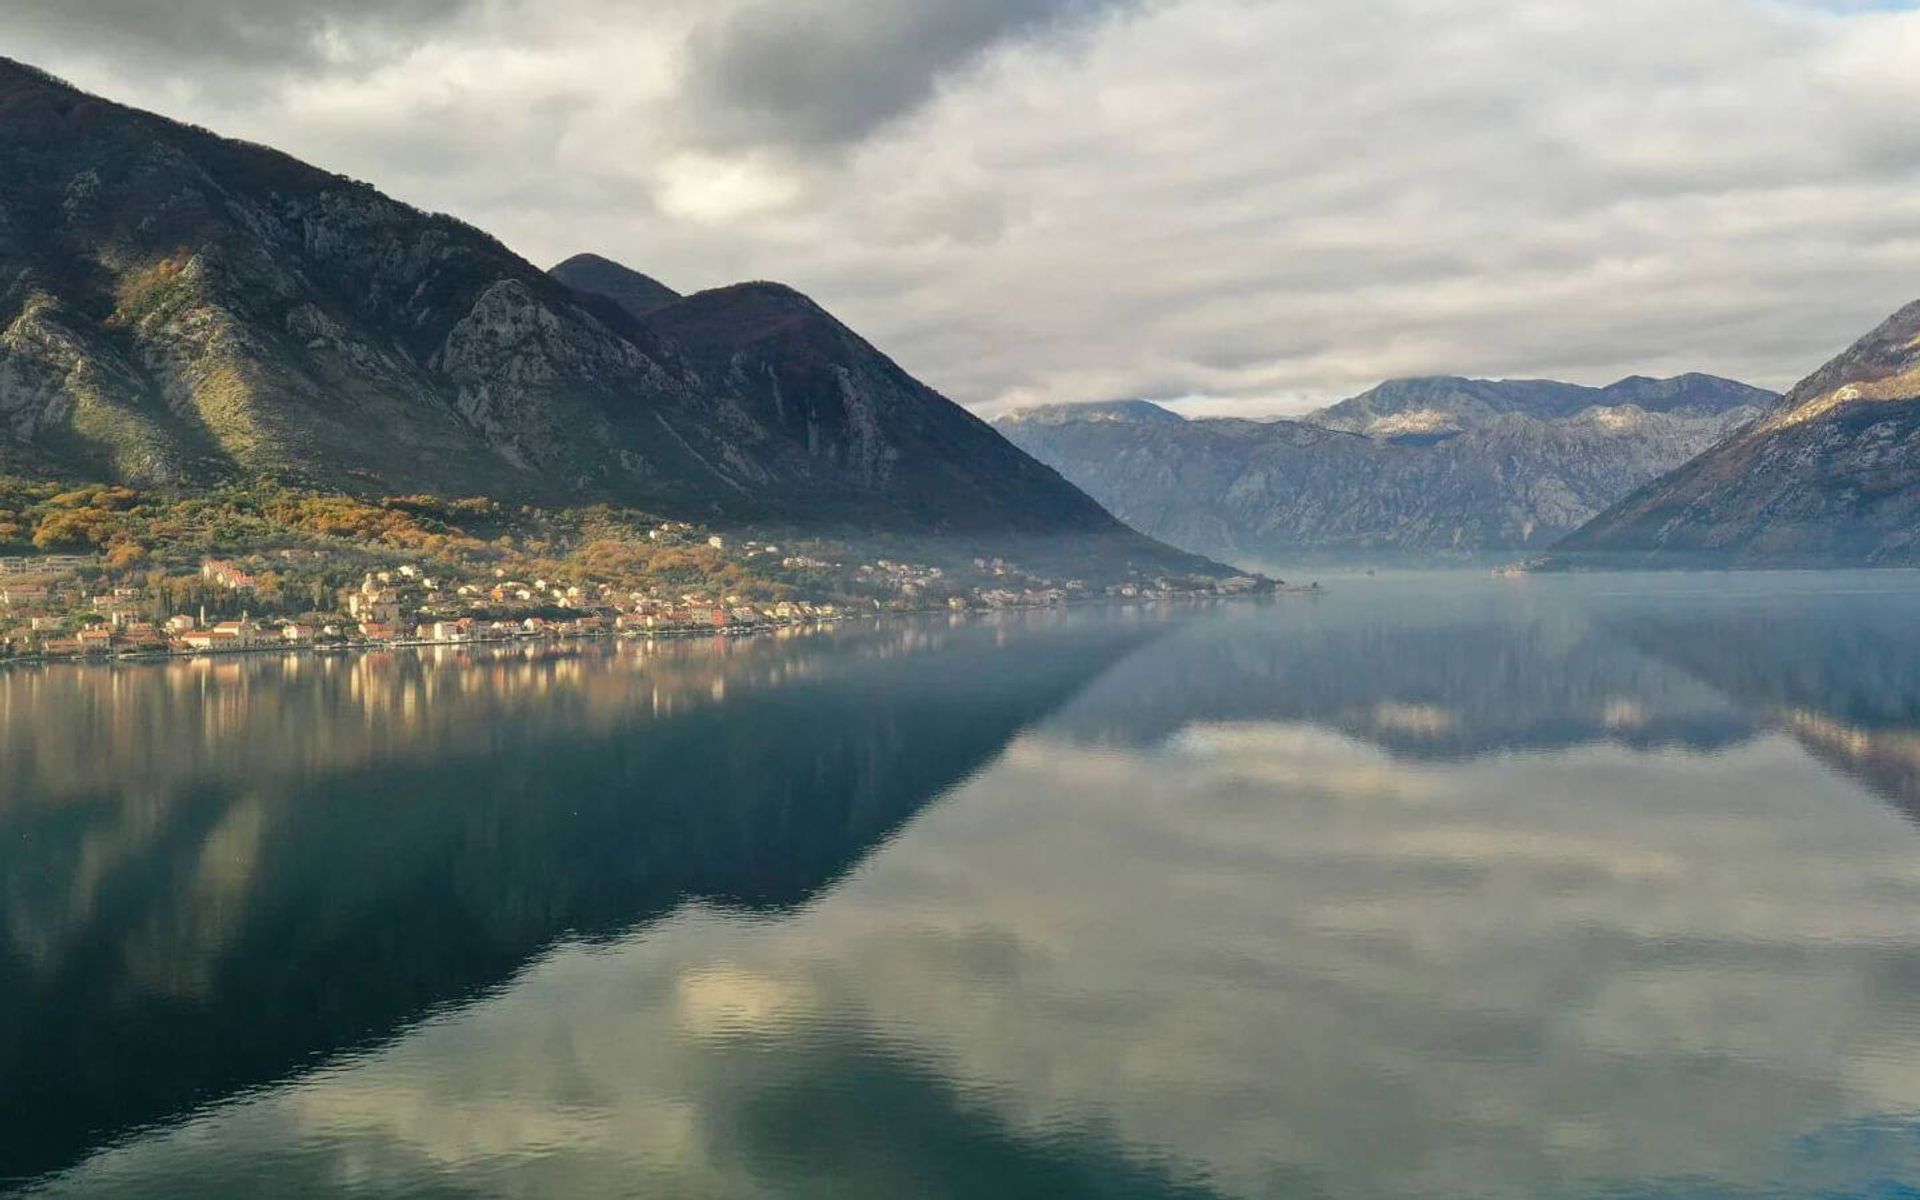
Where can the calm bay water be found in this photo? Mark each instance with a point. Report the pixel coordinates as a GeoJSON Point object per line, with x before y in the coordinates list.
{"type": "Point", "coordinates": [1439, 887]}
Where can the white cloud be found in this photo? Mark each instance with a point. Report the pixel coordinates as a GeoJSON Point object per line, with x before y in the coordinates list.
{"type": "Point", "coordinates": [1264, 202]}
{"type": "Point", "coordinates": [708, 190]}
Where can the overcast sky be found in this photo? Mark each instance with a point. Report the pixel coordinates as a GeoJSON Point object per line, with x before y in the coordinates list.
{"type": "Point", "coordinates": [1265, 203]}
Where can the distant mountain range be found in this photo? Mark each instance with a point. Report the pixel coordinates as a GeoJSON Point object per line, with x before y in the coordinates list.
{"type": "Point", "coordinates": [1428, 467]}
{"type": "Point", "coordinates": [178, 308]}
{"type": "Point", "coordinates": [1829, 476]}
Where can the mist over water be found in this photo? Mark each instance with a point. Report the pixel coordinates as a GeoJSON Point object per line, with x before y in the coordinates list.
{"type": "Point", "coordinates": [1429, 885]}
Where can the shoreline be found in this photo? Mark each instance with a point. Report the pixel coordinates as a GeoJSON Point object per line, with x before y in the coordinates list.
{"type": "Point", "coordinates": [363, 647]}
{"type": "Point", "coordinates": [678, 633]}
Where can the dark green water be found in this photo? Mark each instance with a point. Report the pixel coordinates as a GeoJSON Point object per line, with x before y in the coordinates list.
{"type": "Point", "coordinates": [1436, 887]}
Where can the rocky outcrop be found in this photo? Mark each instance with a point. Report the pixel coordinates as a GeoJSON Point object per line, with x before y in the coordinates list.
{"type": "Point", "coordinates": [1829, 476]}
{"type": "Point", "coordinates": [1429, 467]}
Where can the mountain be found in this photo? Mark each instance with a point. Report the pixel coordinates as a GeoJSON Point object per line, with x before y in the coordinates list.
{"type": "Point", "coordinates": [178, 308]}
{"type": "Point", "coordinates": [636, 293]}
{"type": "Point", "coordinates": [1829, 476]}
{"type": "Point", "coordinates": [1426, 467]}
{"type": "Point", "coordinates": [1436, 406]}
{"type": "Point", "coordinates": [1121, 412]}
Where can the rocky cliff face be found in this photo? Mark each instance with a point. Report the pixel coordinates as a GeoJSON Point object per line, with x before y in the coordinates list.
{"type": "Point", "coordinates": [176, 307]}
{"type": "Point", "coordinates": [1424, 467]}
{"type": "Point", "coordinates": [1829, 476]}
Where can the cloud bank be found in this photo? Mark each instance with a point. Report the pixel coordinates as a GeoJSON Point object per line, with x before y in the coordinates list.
{"type": "Point", "coordinates": [1264, 203]}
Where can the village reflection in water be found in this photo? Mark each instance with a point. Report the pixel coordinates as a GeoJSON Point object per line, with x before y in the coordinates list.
{"type": "Point", "coordinates": [286, 713]}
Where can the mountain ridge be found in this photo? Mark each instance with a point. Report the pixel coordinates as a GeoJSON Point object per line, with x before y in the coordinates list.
{"type": "Point", "coordinates": [1830, 475]}
{"type": "Point", "coordinates": [1433, 467]}
{"type": "Point", "coordinates": [1470, 402]}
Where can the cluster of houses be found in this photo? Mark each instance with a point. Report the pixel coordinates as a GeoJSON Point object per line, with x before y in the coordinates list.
{"type": "Point", "coordinates": [1031, 597]}
{"type": "Point", "coordinates": [406, 604]}
{"type": "Point", "coordinates": [46, 612]}
{"type": "Point", "coordinates": [228, 575]}
{"type": "Point", "coordinates": [41, 614]}
{"type": "Point", "coordinates": [908, 580]}
{"type": "Point", "coordinates": [1164, 589]}
{"type": "Point", "coordinates": [49, 616]}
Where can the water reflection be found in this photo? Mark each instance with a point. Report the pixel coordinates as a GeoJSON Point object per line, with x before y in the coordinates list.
{"type": "Point", "coordinates": [1458, 889]}
{"type": "Point", "coordinates": [1454, 671]}
{"type": "Point", "coordinates": [217, 871]}
{"type": "Point", "coordinates": [1840, 672]}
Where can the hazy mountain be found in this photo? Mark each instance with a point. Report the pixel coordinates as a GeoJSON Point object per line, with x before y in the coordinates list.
{"type": "Point", "coordinates": [1830, 476]}
{"type": "Point", "coordinates": [1423, 408]}
{"type": "Point", "coordinates": [1117, 411]}
{"type": "Point", "coordinates": [177, 307]}
{"type": "Point", "coordinates": [638, 294]}
{"type": "Point", "coordinates": [1421, 466]}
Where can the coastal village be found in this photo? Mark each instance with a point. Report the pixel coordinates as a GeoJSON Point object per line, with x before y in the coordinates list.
{"type": "Point", "coordinates": [76, 606]}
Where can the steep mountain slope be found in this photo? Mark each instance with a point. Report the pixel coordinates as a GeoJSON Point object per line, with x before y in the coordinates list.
{"type": "Point", "coordinates": [636, 293]}
{"type": "Point", "coordinates": [177, 307]}
{"type": "Point", "coordinates": [803, 394]}
{"type": "Point", "coordinates": [1424, 467]}
{"type": "Point", "coordinates": [1830, 476]}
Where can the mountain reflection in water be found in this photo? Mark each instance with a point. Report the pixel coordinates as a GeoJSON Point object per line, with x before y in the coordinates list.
{"type": "Point", "coordinates": [219, 870]}
{"type": "Point", "coordinates": [1449, 887]}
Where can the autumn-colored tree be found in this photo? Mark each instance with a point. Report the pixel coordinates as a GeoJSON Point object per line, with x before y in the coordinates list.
{"type": "Point", "coordinates": [124, 552]}
{"type": "Point", "coordinates": [70, 527]}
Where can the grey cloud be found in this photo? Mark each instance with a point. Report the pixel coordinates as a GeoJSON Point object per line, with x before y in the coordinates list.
{"type": "Point", "coordinates": [244, 35]}
{"type": "Point", "coordinates": [812, 73]}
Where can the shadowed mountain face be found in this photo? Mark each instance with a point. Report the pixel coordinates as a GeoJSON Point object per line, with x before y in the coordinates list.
{"type": "Point", "coordinates": [177, 307]}
{"type": "Point", "coordinates": [1421, 466]}
{"type": "Point", "coordinates": [778, 364]}
{"type": "Point", "coordinates": [637, 294]}
{"type": "Point", "coordinates": [318, 851]}
{"type": "Point", "coordinates": [1830, 476]}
